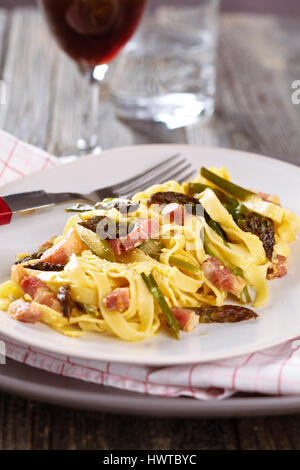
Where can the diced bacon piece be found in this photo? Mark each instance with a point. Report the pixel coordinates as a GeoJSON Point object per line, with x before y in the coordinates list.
{"type": "Point", "coordinates": [61, 252]}
{"type": "Point", "coordinates": [142, 232]}
{"type": "Point", "coordinates": [31, 284]}
{"type": "Point", "coordinates": [47, 244]}
{"type": "Point", "coordinates": [116, 246]}
{"type": "Point", "coordinates": [117, 300]}
{"type": "Point", "coordinates": [24, 311]}
{"type": "Point", "coordinates": [18, 273]}
{"type": "Point", "coordinates": [222, 277]}
{"type": "Point", "coordinates": [40, 292]}
{"type": "Point", "coordinates": [175, 213]}
{"type": "Point", "coordinates": [278, 267]}
{"type": "Point", "coordinates": [188, 320]}
{"type": "Point", "coordinates": [269, 197]}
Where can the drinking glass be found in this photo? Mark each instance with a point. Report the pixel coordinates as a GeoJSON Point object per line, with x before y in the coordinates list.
{"type": "Point", "coordinates": [92, 32]}
{"type": "Point", "coordinates": [167, 72]}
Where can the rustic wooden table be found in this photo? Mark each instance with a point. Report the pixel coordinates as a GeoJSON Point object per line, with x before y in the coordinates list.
{"type": "Point", "coordinates": [258, 61]}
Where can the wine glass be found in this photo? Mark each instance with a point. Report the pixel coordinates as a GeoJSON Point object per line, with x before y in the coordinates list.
{"type": "Point", "coordinates": [92, 32]}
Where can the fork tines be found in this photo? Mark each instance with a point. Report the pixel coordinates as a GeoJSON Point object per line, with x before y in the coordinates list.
{"type": "Point", "coordinates": [174, 167]}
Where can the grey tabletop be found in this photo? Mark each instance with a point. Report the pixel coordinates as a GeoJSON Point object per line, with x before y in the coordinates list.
{"type": "Point", "coordinates": [258, 61]}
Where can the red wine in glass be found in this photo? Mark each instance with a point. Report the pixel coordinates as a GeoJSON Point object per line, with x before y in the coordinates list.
{"type": "Point", "coordinates": [92, 32]}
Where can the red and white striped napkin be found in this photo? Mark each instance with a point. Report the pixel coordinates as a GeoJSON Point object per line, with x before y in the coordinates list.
{"type": "Point", "coordinates": [275, 371]}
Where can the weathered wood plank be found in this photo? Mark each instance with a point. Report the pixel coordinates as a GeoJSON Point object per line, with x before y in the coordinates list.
{"type": "Point", "coordinates": [26, 74]}
{"type": "Point", "coordinates": [258, 60]}
{"type": "Point", "coordinates": [254, 108]}
{"type": "Point", "coordinates": [16, 420]}
{"type": "Point", "coordinates": [30, 425]}
{"type": "Point", "coordinates": [5, 20]}
{"type": "Point", "coordinates": [27, 425]}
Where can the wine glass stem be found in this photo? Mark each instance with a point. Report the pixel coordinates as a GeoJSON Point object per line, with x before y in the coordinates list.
{"type": "Point", "coordinates": [88, 141]}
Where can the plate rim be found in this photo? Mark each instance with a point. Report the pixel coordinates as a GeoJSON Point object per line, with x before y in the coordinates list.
{"type": "Point", "coordinates": [73, 393]}
{"type": "Point", "coordinates": [253, 155]}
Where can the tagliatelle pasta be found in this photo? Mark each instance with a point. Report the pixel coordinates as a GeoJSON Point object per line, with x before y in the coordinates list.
{"type": "Point", "coordinates": [170, 257]}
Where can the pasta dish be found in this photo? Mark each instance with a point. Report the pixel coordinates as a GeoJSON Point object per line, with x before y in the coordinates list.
{"type": "Point", "coordinates": [170, 258]}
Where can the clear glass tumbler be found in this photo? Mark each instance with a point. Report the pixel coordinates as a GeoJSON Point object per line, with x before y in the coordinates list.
{"type": "Point", "coordinates": [167, 72]}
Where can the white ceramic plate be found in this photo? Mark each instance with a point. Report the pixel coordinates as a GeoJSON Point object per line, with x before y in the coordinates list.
{"type": "Point", "coordinates": [279, 319]}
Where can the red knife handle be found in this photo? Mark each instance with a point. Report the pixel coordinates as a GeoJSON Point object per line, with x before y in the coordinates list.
{"type": "Point", "coordinates": [5, 212]}
{"type": "Point", "coordinates": [23, 203]}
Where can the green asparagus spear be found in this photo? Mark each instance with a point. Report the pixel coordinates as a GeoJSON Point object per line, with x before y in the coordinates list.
{"type": "Point", "coordinates": [80, 208]}
{"type": "Point", "coordinates": [124, 206]}
{"type": "Point", "coordinates": [91, 310]}
{"type": "Point", "coordinates": [98, 246]}
{"type": "Point", "coordinates": [224, 314]}
{"type": "Point", "coordinates": [179, 263]}
{"type": "Point", "coordinates": [216, 227]}
{"type": "Point", "coordinates": [160, 299]}
{"type": "Point", "coordinates": [237, 191]}
{"type": "Point", "coordinates": [245, 296]}
{"type": "Point", "coordinates": [152, 248]}
{"type": "Point", "coordinates": [197, 188]}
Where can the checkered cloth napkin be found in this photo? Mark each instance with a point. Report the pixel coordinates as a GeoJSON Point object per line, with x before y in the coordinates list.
{"type": "Point", "coordinates": [275, 371]}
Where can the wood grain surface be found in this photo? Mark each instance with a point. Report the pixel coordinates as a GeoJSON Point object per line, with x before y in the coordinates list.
{"type": "Point", "coordinates": [258, 60]}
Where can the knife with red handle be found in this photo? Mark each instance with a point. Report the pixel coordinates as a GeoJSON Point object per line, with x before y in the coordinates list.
{"type": "Point", "coordinates": [26, 202]}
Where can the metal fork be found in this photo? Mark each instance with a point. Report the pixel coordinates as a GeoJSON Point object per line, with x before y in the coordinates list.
{"type": "Point", "coordinates": [171, 168]}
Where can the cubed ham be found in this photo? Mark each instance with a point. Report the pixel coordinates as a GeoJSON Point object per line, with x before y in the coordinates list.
{"type": "Point", "coordinates": [141, 232]}
{"type": "Point", "coordinates": [222, 277]}
{"type": "Point", "coordinates": [278, 267]}
{"type": "Point", "coordinates": [61, 252]}
{"type": "Point", "coordinates": [118, 300]}
{"type": "Point", "coordinates": [24, 311]}
{"type": "Point", "coordinates": [174, 212]}
{"type": "Point", "coordinates": [40, 292]}
{"type": "Point", "coordinates": [188, 320]}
